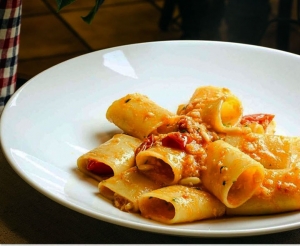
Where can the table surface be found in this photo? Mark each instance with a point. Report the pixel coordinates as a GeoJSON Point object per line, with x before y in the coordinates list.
{"type": "Point", "coordinates": [28, 217]}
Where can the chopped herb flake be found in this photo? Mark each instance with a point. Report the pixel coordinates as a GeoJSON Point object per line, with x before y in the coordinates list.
{"type": "Point", "coordinates": [183, 130]}
{"type": "Point", "coordinates": [175, 199]}
{"type": "Point", "coordinates": [221, 168]}
{"type": "Point", "coordinates": [227, 124]}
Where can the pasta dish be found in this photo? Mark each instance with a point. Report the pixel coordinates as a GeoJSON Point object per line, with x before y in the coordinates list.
{"type": "Point", "coordinates": [205, 161]}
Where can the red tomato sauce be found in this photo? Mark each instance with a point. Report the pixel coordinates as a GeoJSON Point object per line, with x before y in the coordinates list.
{"type": "Point", "coordinates": [99, 168]}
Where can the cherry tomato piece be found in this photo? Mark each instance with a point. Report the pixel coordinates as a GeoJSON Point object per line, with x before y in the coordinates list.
{"type": "Point", "coordinates": [176, 140]}
{"type": "Point", "coordinates": [146, 144]}
{"type": "Point", "coordinates": [262, 119]}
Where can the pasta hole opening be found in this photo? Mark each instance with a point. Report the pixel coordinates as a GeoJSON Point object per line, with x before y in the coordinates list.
{"type": "Point", "coordinates": [157, 170]}
{"type": "Point", "coordinates": [243, 188]}
{"type": "Point", "coordinates": [99, 168]}
{"type": "Point", "coordinates": [157, 209]}
{"type": "Point", "coordinates": [231, 112]}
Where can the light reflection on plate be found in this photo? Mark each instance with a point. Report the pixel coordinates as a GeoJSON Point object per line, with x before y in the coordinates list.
{"type": "Point", "coordinates": [60, 113]}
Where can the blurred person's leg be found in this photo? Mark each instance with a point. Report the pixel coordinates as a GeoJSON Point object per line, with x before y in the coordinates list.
{"type": "Point", "coordinates": [167, 14]}
{"type": "Point", "coordinates": [212, 19]}
{"type": "Point", "coordinates": [192, 14]}
{"type": "Point", "coordinates": [283, 27]}
{"type": "Point", "coordinates": [201, 18]}
{"type": "Point", "coordinates": [10, 19]}
{"type": "Point", "coordinates": [247, 20]}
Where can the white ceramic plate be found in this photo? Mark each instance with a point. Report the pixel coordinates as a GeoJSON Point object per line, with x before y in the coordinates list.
{"type": "Point", "coordinates": [60, 114]}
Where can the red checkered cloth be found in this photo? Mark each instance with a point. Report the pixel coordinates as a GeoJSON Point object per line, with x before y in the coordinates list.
{"type": "Point", "coordinates": [10, 23]}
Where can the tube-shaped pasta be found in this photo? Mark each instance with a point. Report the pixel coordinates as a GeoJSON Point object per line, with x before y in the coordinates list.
{"type": "Point", "coordinates": [161, 164]}
{"type": "Point", "coordinates": [223, 115]}
{"type": "Point", "coordinates": [179, 204]}
{"type": "Point", "coordinates": [125, 189]}
{"type": "Point", "coordinates": [295, 152]}
{"type": "Point", "coordinates": [279, 192]}
{"type": "Point", "coordinates": [217, 107]}
{"type": "Point", "coordinates": [110, 158]}
{"type": "Point", "coordinates": [272, 151]}
{"type": "Point", "coordinates": [231, 175]}
{"type": "Point", "coordinates": [138, 116]}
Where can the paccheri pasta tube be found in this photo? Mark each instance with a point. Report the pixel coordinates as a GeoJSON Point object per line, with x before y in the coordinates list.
{"type": "Point", "coordinates": [231, 175]}
{"type": "Point", "coordinates": [217, 107]}
{"type": "Point", "coordinates": [125, 189]}
{"type": "Point", "coordinates": [138, 116]}
{"type": "Point", "coordinates": [272, 151]}
{"type": "Point", "coordinates": [295, 152]}
{"type": "Point", "coordinates": [162, 164]}
{"type": "Point", "coordinates": [110, 158]}
{"type": "Point", "coordinates": [178, 204]}
{"type": "Point", "coordinates": [279, 192]}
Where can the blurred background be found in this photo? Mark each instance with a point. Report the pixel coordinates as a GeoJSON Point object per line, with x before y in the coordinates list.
{"type": "Point", "coordinates": [49, 37]}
